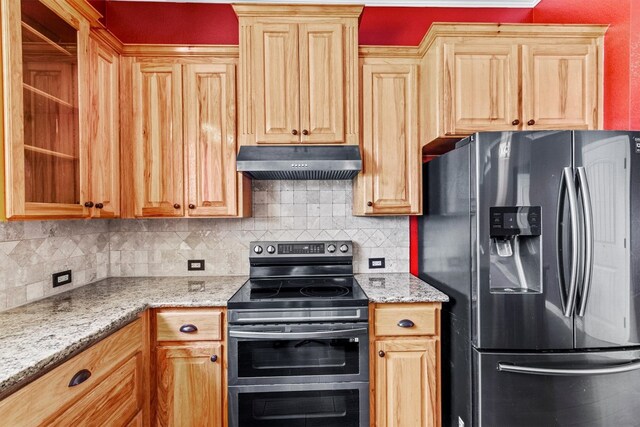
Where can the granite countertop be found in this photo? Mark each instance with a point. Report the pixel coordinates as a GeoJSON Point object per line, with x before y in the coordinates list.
{"type": "Point", "coordinates": [38, 336]}
{"type": "Point", "coordinates": [398, 287]}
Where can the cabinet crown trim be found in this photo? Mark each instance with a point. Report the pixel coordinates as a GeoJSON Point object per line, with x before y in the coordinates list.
{"type": "Point", "coordinates": [290, 10]}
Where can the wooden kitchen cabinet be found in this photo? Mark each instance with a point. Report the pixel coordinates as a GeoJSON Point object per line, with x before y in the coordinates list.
{"type": "Point", "coordinates": [405, 365]}
{"type": "Point", "coordinates": [181, 120]}
{"type": "Point", "coordinates": [389, 183]}
{"type": "Point", "coordinates": [494, 77]}
{"type": "Point", "coordinates": [298, 74]}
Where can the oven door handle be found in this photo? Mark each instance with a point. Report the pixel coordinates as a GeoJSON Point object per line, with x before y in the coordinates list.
{"type": "Point", "coordinates": [297, 335]}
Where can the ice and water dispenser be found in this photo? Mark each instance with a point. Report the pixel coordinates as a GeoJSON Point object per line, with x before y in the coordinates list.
{"type": "Point", "coordinates": [516, 249]}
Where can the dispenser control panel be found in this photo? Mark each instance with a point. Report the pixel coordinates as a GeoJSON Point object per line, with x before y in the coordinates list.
{"type": "Point", "coordinates": [507, 221]}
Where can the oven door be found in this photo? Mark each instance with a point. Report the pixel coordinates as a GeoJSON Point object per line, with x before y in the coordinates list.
{"type": "Point", "coordinates": [279, 354]}
{"type": "Point", "coordinates": [309, 405]}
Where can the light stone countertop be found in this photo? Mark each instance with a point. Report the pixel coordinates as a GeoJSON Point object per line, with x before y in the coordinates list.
{"type": "Point", "coordinates": [398, 287]}
{"type": "Point", "coordinates": [38, 336]}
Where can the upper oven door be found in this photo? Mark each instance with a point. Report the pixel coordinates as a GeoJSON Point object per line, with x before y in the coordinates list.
{"type": "Point", "coordinates": [277, 354]}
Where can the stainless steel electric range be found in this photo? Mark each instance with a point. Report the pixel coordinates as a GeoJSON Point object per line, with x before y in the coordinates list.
{"type": "Point", "coordinates": [299, 339]}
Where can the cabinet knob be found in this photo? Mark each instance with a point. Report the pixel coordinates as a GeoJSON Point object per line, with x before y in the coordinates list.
{"type": "Point", "coordinates": [176, 206]}
{"type": "Point", "coordinates": [188, 328]}
{"type": "Point", "coordinates": [192, 206]}
{"type": "Point", "coordinates": [516, 122]}
{"type": "Point", "coordinates": [369, 203]}
{"type": "Point", "coordinates": [79, 377]}
{"type": "Point", "coordinates": [406, 323]}
{"type": "Point", "coordinates": [305, 132]}
{"type": "Point", "coordinates": [88, 204]}
{"type": "Point", "coordinates": [214, 358]}
{"type": "Point", "coordinates": [99, 205]}
{"type": "Point", "coordinates": [381, 353]}
{"type": "Point", "coordinates": [531, 122]}
{"type": "Point", "coordinates": [294, 132]}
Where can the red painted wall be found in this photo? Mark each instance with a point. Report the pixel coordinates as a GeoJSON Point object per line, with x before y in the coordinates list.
{"type": "Point", "coordinates": [634, 71]}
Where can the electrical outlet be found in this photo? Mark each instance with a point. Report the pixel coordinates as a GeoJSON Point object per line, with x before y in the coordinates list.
{"type": "Point", "coordinates": [376, 262]}
{"type": "Point", "coordinates": [195, 265]}
{"type": "Point", "coordinates": [61, 278]}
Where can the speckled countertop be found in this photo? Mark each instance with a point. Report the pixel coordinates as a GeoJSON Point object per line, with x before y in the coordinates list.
{"type": "Point", "coordinates": [398, 287]}
{"type": "Point", "coordinates": [38, 336]}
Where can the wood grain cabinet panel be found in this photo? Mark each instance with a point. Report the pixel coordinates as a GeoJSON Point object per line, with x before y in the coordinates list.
{"type": "Point", "coordinates": [158, 149]}
{"type": "Point", "coordinates": [406, 383]}
{"type": "Point", "coordinates": [198, 325]}
{"type": "Point", "coordinates": [389, 183]}
{"type": "Point", "coordinates": [189, 385]}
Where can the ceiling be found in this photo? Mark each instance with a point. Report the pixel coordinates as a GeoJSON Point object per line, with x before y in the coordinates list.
{"type": "Point", "coordinates": [405, 3]}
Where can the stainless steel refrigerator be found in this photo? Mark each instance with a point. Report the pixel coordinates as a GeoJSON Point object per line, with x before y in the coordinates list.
{"type": "Point", "coordinates": [535, 236]}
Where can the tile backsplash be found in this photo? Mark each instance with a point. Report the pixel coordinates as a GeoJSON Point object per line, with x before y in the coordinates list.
{"type": "Point", "coordinates": [31, 251]}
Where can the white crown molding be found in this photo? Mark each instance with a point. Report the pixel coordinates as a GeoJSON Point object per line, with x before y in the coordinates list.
{"type": "Point", "coordinates": [527, 4]}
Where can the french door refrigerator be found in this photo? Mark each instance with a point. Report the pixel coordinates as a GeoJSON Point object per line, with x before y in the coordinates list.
{"type": "Point", "coordinates": [531, 234]}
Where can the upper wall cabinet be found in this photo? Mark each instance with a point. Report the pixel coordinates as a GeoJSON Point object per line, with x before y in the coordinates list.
{"type": "Point", "coordinates": [180, 117]}
{"type": "Point", "coordinates": [489, 77]}
{"type": "Point", "coordinates": [298, 74]}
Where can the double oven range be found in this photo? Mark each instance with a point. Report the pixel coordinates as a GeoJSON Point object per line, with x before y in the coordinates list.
{"type": "Point", "coordinates": [299, 339]}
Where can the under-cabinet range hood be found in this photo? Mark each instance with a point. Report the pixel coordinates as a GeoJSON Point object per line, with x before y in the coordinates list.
{"type": "Point", "coordinates": [300, 162]}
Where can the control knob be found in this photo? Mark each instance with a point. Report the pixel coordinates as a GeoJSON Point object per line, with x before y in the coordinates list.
{"type": "Point", "coordinates": [271, 249]}
{"type": "Point", "coordinates": [257, 249]}
{"type": "Point", "coordinates": [331, 248]}
{"type": "Point", "coordinates": [344, 248]}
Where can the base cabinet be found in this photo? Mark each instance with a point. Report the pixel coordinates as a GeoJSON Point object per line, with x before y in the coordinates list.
{"type": "Point", "coordinates": [189, 385]}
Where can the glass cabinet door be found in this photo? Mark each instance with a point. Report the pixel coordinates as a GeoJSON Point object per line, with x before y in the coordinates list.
{"type": "Point", "coordinates": [50, 106]}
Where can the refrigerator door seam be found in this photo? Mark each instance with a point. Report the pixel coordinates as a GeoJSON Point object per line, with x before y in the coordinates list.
{"type": "Point", "coordinates": [575, 241]}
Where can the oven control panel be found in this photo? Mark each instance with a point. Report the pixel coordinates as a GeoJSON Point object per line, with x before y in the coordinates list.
{"type": "Point", "coordinates": [284, 249]}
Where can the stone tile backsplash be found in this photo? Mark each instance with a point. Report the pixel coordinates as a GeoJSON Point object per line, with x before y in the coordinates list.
{"type": "Point", "coordinates": [31, 251]}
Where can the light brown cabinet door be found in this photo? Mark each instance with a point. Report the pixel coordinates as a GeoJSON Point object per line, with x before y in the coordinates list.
{"type": "Point", "coordinates": [210, 139]}
{"type": "Point", "coordinates": [276, 83]}
{"type": "Point", "coordinates": [559, 86]}
{"type": "Point", "coordinates": [104, 129]}
{"type": "Point", "coordinates": [391, 152]}
{"type": "Point", "coordinates": [158, 148]}
{"type": "Point", "coordinates": [406, 383]}
{"type": "Point", "coordinates": [321, 83]}
{"type": "Point", "coordinates": [480, 88]}
{"type": "Point", "coordinates": [189, 385]}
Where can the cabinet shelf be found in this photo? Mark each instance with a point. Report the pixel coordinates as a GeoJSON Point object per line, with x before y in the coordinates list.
{"type": "Point", "coordinates": [49, 152]}
{"type": "Point", "coordinates": [46, 39]}
{"type": "Point", "coordinates": [46, 95]}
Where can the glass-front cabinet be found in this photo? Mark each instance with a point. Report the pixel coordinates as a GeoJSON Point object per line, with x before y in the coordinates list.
{"type": "Point", "coordinates": [45, 84]}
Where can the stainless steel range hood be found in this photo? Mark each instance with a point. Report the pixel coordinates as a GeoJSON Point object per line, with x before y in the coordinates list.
{"type": "Point", "coordinates": [300, 161]}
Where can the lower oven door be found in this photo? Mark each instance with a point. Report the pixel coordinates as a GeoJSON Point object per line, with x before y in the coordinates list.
{"type": "Point", "coordinates": [300, 405]}
{"type": "Point", "coordinates": [285, 354]}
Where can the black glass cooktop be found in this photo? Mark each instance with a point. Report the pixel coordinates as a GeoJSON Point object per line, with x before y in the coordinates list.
{"type": "Point", "coordinates": [299, 292]}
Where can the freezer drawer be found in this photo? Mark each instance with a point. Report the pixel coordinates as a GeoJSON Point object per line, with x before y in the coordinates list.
{"type": "Point", "coordinates": [558, 389]}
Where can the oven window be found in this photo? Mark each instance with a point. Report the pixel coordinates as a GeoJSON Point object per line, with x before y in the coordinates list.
{"type": "Point", "coordinates": [305, 357]}
{"type": "Point", "coordinates": [333, 408]}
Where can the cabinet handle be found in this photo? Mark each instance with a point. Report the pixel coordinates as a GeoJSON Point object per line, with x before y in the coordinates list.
{"type": "Point", "coordinates": [176, 206]}
{"type": "Point", "coordinates": [305, 132]}
{"type": "Point", "coordinates": [406, 323]}
{"type": "Point", "coordinates": [192, 206]}
{"type": "Point", "coordinates": [369, 203]}
{"type": "Point", "coordinates": [88, 204]}
{"type": "Point", "coordinates": [188, 328]}
{"type": "Point", "coordinates": [516, 122]}
{"type": "Point", "coordinates": [99, 206]}
{"type": "Point", "coordinates": [531, 122]}
{"type": "Point", "coordinates": [294, 132]}
{"type": "Point", "coordinates": [381, 353]}
{"type": "Point", "coordinates": [80, 377]}
{"type": "Point", "coordinates": [214, 358]}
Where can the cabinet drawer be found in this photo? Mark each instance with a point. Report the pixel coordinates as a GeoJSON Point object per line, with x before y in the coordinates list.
{"type": "Point", "coordinates": [418, 319]}
{"type": "Point", "coordinates": [113, 402]}
{"type": "Point", "coordinates": [51, 394]}
{"type": "Point", "coordinates": [189, 325]}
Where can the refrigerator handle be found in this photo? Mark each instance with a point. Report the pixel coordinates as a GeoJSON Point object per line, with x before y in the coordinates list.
{"type": "Point", "coordinates": [533, 370]}
{"type": "Point", "coordinates": [588, 222]}
{"type": "Point", "coordinates": [575, 241]}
